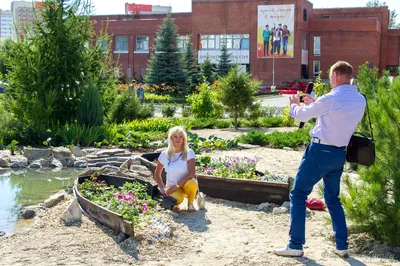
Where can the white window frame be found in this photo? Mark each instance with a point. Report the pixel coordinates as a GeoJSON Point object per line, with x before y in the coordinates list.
{"type": "Point", "coordinates": [182, 42]}
{"type": "Point", "coordinates": [117, 46]}
{"type": "Point", "coordinates": [139, 50]}
{"type": "Point", "coordinates": [315, 64]}
{"type": "Point", "coordinates": [317, 45]}
{"type": "Point", "coordinates": [102, 43]}
{"type": "Point", "coordinates": [205, 39]}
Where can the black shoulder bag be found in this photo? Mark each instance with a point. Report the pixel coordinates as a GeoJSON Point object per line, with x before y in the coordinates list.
{"type": "Point", "coordinates": [361, 149]}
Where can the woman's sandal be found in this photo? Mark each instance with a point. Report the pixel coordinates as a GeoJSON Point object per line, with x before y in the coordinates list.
{"type": "Point", "coordinates": [176, 208]}
{"type": "Point", "coordinates": [191, 208]}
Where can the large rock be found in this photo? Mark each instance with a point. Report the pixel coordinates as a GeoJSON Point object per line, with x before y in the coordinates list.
{"type": "Point", "coordinates": [33, 154]}
{"type": "Point", "coordinates": [35, 165]}
{"type": "Point", "coordinates": [80, 164]}
{"type": "Point", "coordinates": [56, 163]}
{"type": "Point", "coordinates": [72, 213]}
{"type": "Point", "coordinates": [18, 161]}
{"type": "Point", "coordinates": [5, 158]}
{"type": "Point", "coordinates": [27, 213]}
{"type": "Point", "coordinates": [110, 152]}
{"type": "Point", "coordinates": [77, 152]}
{"type": "Point", "coordinates": [55, 199]}
{"type": "Point", "coordinates": [67, 161]}
{"type": "Point", "coordinates": [62, 152]}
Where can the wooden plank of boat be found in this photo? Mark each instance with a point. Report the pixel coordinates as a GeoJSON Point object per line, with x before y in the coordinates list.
{"type": "Point", "coordinates": [104, 216]}
{"type": "Point", "coordinates": [241, 190]}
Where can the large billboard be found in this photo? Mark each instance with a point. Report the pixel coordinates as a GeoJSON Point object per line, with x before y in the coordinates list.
{"type": "Point", "coordinates": [275, 31]}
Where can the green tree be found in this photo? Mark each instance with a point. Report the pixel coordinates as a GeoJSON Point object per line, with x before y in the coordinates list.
{"type": "Point", "coordinates": [392, 16]}
{"type": "Point", "coordinates": [237, 92]}
{"type": "Point", "coordinates": [165, 64]}
{"type": "Point", "coordinates": [188, 66]}
{"type": "Point", "coordinates": [225, 62]}
{"type": "Point", "coordinates": [373, 201]}
{"type": "Point", "coordinates": [205, 103]}
{"type": "Point", "coordinates": [207, 71]}
{"type": "Point", "coordinates": [90, 109]}
{"type": "Point", "coordinates": [52, 64]}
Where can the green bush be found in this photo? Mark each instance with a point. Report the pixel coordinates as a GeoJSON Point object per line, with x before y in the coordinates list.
{"type": "Point", "coordinates": [128, 107]}
{"type": "Point", "coordinates": [287, 119]}
{"type": "Point", "coordinates": [7, 132]}
{"type": "Point", "coordinates": [168, 110]}
{"type": "Point", "coordinates": [155, 98]}
{"type": "Point", "coordinates": [273, 111]}
{"type": "Point", "coordinates": [291, 139]}
{"type": "Point", "coordinates": [223, 123]}
{"type": "Point", "coordinates": [205, 104]}
{"type": "Point", "coordinates": [90, 109]}
{"type": "Point", "coordinates": [186, 112]}
{"type": "Point", "coordinates": [255, 111]}
{"type": "Point", "coordinates": [272, 121]}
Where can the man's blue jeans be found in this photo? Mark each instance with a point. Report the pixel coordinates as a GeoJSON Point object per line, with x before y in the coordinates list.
{"type": "Point", "coordinates": [319, 161]}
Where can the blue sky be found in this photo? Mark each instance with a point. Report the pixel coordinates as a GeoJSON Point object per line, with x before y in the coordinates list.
{"type": "Point", "coordinates": [118, 6]}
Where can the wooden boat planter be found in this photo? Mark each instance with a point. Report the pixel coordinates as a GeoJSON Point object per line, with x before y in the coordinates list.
{"type": "Point", "coordinates": [104, 216]}
{"type": "Point", "coordinates": [241, 190]}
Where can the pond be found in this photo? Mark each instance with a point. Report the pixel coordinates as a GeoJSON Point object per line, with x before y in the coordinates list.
{"type": "Point", "coordinates": [23, 188]}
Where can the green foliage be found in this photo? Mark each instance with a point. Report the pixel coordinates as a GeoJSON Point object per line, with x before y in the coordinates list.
{"type": "Point", "coordinates": [128, 107]}
{"type": "Point", "coordinates": [287, 119]}
{"type": "Point", "coordinates": [155, 98]}
{"type": "Point", "coordinates": [198, 144]}
{"type": "Point", "coordinates": [237, 92]}
{"type": "Point", "coordinates": [7, 123]}
{"type": "Point", "coordinates": [373, 201]}
{"type": "Point", "coordinates": [50, 66]}
{"type": "Point", "coordinates": [165, 65]}
{"type": "Point", "coordinates": [224, 63]}
{"type": "Point", "coordinates": [74, 134]}
{"type": "Point", "coordinates": [168, 110]}
{"type": "Point", "coordinates": [320, 88]}
{"type": "Point", "coordinates": [293, 139]}
{"type": "Point", "coordinates": [186, 112]}
{"type": "Point", "coordinates": [90, 110]}
{"type": "Point", "coordinates": [131, 200]}
{"type": "Point", "coordinates": [205, 103]}
{"type": "Point", "coordinates": [189, 67]}
{"type": "Point", "coordinates": [255, 111]}
{"type": "Point", "coordinates": [392, 15]}
{"type": "Point", "coordinates": [13, 147]}
{"type": "Point", "coordinates": [207, 71]}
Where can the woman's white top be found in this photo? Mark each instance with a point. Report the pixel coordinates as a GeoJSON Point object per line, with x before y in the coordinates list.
{"type": "Point", "coordinates": [175, 167]}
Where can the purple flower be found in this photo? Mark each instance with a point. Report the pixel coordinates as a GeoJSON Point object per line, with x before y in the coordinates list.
{"type": "Point", "coordinates": [132, 194]}
{"type": "Point", "coordinates": [144, 207]}
{"type": "Point", "coordinates": [127, 197]}
{"type": "Point", "coordinates": [108, 199]}
{"type": "Point", "coordinates": [119, 197]}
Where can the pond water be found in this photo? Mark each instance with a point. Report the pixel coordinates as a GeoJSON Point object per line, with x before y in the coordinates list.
{"type": "Point", "coordinates": [23, 188]}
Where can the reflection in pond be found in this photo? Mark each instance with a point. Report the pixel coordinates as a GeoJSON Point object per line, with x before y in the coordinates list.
{"type": "Point", "coordinates": [23, 188]}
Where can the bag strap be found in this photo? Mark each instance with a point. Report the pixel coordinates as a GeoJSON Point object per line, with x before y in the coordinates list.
{"type": "Point", "coordinates": [369, 118]}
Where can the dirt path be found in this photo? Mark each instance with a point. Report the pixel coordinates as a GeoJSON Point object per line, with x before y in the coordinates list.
{"type": "Point", "coordinates": [225, 233]}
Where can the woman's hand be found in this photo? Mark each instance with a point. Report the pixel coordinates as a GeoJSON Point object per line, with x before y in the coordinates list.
{"type": "Point", "coordinates": [171, 189]}
{"type": "Point", "coordinates": [308, 99]}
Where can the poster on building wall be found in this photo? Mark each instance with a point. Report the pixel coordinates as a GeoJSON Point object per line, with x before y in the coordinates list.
{"type": "Point", "coordinates": [275, 31]}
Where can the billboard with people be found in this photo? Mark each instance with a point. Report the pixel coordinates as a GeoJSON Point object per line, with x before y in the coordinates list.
{"type": "Point", "coordinates": [275, 31]}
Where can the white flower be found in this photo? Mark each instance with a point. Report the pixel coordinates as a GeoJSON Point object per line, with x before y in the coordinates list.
{"type": "Point", "coordinates": [48, 139]}
{"type": "Point", "coordinates": [119, 207]}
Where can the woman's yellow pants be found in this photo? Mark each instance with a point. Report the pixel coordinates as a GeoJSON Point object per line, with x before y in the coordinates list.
{"type": "Point", "coordinates": [189, 189]}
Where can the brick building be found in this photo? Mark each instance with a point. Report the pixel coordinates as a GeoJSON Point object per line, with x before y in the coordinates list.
{"type": "Point", "coordinates": [319, 37]}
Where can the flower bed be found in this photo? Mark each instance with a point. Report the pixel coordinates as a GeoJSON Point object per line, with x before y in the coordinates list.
{"type": "Point", "coordinates": [235, 167]}
{"type": "Point", "coordinates": [130, 200]}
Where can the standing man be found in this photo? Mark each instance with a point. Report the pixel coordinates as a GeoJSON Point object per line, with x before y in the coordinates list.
{"type": "Point", "coordinates": [140, 92]}
{"type": "Point", "coordinates": [338, 114]}
{"type": "Point", "coordinates": [278, 39]}
{"type": "Point", "coordinates": [266, 34]}
{"type": "Point", "coordinates": [285, 38]}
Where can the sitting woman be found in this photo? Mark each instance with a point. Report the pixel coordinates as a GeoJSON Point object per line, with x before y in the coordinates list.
{"type": "Point", "coordinates": [180, 165]}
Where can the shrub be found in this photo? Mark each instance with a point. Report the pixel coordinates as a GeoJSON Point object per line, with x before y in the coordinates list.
{"type": "Point", "coordinates": [291, 139]}
{"type": "Point", "coordinates": [287, 119]}
{"type": "Point", "coordinates": [186, 112]}
{"type": "Point", "coordinates": [273, 111]}
{"type": "Point", "coordinates": [168, 110]}
{"type": "Point", "coordinates": [205, 103]}
{"type": "Point", "coordinates": [255, 111]}
{"type": "Point", "coordinates": [129, 107]}
{"type": "Point", "coordinates": [90, 109]}
{"type": "Point", "coordinates": [155, 98]}
{"type": "Point", "coordinates": [223, 123]}
{"type": "Point", "coordinates": [6, 123]}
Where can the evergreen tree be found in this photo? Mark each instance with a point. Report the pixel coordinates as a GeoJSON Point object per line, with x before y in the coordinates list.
{"type": "Point", "coordinates": [225, 62]}
{"type": "Point", "coordinates": [90, 110]}
{"type": "Point", "coordinates": [237, 92]}
{"type": "Point", "coordinates": [165, 64]}
{"type": "Point", "coordinates": [50, 67]}
{"type": "Point", "coordinates": [188, 66]}
{"type": "Point", "coordinates": [373, 201]}
{"type": "Point", "coordinates": [207, 71]}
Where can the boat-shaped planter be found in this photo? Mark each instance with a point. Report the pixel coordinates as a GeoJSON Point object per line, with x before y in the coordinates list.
{"type": "Point", "coordinates": [105, 216]}
{"type": "Point", "coordinates": [241, 190]}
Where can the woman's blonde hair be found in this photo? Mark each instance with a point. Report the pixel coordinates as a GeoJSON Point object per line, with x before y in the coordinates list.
{"type": "Point", "coordinates": [171, 148]}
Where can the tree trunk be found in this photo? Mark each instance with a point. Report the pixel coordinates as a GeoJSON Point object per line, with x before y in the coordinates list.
{"type": "Point", "coordinates": [236, 117]}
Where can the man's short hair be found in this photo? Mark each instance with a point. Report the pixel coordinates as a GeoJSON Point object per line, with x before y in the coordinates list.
{"type": "Point", "coordinates": [280, 24]}
{"type": "Point", "coordinates": [343, 68]}
{"type": "Point", "coordinates": [266, 25]}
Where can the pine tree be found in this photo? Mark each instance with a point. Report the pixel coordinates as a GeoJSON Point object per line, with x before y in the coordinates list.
{"type": "Point", "coordinates": [225, 62]}
{"type": "Point", "coordinates": [373, 201]}
{"type": "Point", "coordinates": [237, 92]}
{"type": "Point", "coordinates": [207, 71]}
{"type": "Point", "coordinates": [188, 66]}
{"type": "Point", "coordinates": [165, 64]}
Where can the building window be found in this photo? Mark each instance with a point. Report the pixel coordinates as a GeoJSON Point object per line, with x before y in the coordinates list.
{"type": "Point", "coordinates": [304, 41]}
{"type": "Point", "coordinates": [102, 43]}
{"type": "Point", "coordinates": [317, 68]}
{"type": "Point", "coordinates": [207, 42]}
{"type": "Point", "coordinates": [182, 42]}
{"type": "Point", "coordinates": [142, 43]}
{"type": "Point", "coordinates": [121, 44]}
{"type": "Point", "coordinates": [317, 45]}
{"type": "Point", "coordinates": [234, 41]}
{"type": "Point", "coordinates": [304, 14]}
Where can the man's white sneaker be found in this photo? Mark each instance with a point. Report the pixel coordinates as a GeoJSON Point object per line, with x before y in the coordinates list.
{"type": "Point", "coordinates": [341, 253]}
{"type": "Point", "coordinates": [288, 252]}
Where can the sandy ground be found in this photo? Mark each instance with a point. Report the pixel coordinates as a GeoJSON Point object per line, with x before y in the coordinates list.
{"type": "Point", "coordinates": [225, 233]}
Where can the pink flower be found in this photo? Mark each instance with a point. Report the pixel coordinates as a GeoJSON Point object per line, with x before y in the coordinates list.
{"type": "Point", "coordinates": [108, 199]}
{"type": "Point", "coordinates": [144, 207]}
{"type": "Point", "coordinates": [119, 197]}
{"type": "Point", "coordinates": [127, 197]}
